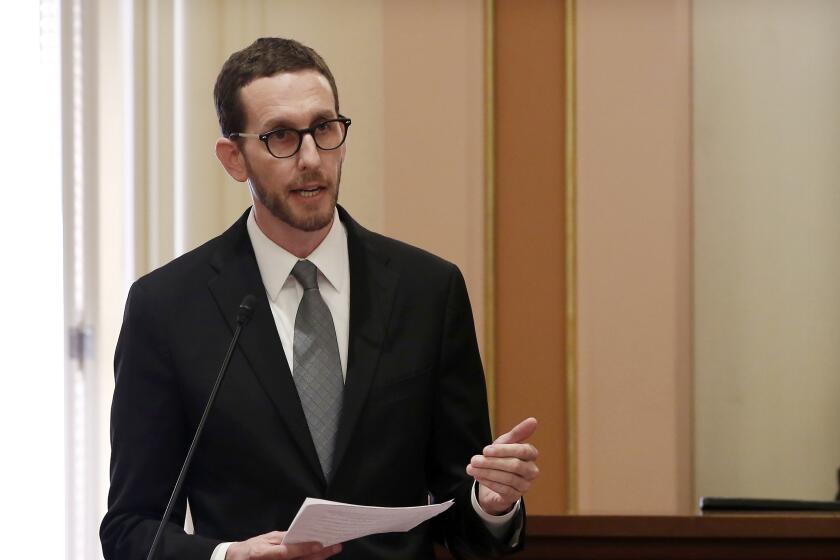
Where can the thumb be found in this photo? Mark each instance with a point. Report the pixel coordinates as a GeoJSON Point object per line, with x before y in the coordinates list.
{"type": "Point", "coordinates": [520, 432]}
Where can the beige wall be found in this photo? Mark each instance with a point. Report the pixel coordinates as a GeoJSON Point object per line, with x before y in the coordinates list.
{"type": "Point", "coordinates": [767, 246]}
{"type": "Point", "coordinates": [433, 189]}
{"type": "Point", "coordinates": [634, 264]}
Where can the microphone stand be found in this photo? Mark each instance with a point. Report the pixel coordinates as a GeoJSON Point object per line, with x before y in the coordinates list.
{"type": "Point", "coordinates": [246, 310]}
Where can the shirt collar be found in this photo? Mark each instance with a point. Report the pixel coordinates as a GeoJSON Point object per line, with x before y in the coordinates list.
{"type": "Point", "coordinates": [276, 263]}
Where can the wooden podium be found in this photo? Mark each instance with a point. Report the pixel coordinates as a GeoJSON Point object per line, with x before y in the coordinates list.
{"type": "Point", "coordinates": [683, 537]}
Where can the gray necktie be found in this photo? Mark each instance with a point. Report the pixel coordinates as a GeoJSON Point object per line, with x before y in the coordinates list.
{"type": "Point", "coordinates": [316, 365]}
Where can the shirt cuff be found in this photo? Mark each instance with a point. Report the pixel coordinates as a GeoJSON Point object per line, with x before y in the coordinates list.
{"type": "Point", "coordinates": [220, 551]}
{"type": "Point", "coordinates": [498, 525]}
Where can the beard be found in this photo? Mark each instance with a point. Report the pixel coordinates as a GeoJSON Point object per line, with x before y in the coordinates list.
{"type": "Point", "coordinates": [281, 207]}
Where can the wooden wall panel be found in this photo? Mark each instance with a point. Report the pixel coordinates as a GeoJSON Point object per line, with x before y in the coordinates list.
{"type": "Point", "coordinates": [529, 236]}
{"type": "Point", "coordinates": [434, 134]}
{"type": "Point", "coordinates": [633, 230]}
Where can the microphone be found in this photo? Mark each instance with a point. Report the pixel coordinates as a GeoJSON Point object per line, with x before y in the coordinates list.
{"type": "Point", "coordinates": [243, 315]}
{"type": "Point", "coordinates": [246, 310]}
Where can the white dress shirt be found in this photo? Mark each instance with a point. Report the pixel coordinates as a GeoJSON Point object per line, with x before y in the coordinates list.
{"type": "Point", "coordinates": [284, 294]}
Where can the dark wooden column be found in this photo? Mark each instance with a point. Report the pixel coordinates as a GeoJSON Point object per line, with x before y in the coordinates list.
{"type": "Point", "coordinates": [529, 77]}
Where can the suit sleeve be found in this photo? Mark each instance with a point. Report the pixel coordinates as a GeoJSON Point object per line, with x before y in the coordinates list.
{"type": "Point", "coordinates": [461, 428]}
{"type": "Point", "coordinates": [149, 441]}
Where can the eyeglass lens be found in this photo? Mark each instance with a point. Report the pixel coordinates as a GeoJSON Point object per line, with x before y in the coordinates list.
{"type": "Point", "coordinates": [285, 142]}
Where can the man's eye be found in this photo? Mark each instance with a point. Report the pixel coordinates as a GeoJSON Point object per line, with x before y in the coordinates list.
{"type": "Point", "coordinates": [322, 127]}
{"type": "Point", "coordinates": [280, 134]}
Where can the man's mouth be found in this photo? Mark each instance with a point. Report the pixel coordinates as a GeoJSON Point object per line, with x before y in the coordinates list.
{"type": "Point", "coordinates": [308, 192]}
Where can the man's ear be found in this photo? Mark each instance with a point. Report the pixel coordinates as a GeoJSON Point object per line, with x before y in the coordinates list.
{"type": "Point", "coordinates": [231, 158]}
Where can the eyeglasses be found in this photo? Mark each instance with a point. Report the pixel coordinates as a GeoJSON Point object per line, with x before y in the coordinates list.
{"type": "Point", "coordinates": [285, 142]}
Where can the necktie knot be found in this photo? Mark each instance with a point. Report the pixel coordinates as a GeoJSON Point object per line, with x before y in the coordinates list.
{"type": "Point", "coordinates": [307, 274]}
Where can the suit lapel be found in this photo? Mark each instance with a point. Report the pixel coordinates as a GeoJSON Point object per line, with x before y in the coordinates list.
{"type": "Point", "coordinates": [259, 342]}
{"type": "Point", "coordinates": [372, 288]}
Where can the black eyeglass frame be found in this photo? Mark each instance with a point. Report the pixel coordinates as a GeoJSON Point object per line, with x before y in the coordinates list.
{"type": "Point", "coordinates": [301, 132]}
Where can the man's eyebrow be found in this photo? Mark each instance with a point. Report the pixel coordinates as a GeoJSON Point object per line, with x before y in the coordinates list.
{"type": "Point", "coordinates": [324, 115]}
{"type": "Point", "coordinates": [277, 122]}
{"type": "Point", "coordinates": [285, 122]}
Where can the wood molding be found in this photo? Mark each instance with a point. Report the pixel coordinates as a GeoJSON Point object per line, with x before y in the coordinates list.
{"type": "Point", "coordinates": [529, 246]}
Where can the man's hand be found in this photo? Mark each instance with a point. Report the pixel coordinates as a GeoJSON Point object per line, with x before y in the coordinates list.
{"type": "Point", "coordinates": [268, 547]}
{"type": "Point", "coordinates": [506, 469]}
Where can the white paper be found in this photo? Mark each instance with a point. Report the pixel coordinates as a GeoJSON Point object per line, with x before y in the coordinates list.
{"type": "Point", "coordinates": [329, 522]}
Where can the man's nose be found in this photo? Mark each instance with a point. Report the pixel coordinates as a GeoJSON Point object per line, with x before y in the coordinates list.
{"type": "Point", "coordinates": [309, 155]}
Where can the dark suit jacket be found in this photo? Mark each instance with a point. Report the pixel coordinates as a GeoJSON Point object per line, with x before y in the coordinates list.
{"type": "Point", "coordinates": [414, 407]}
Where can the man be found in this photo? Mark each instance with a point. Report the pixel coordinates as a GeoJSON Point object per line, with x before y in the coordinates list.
{"type": "Point", "coordinates": [391, 412]}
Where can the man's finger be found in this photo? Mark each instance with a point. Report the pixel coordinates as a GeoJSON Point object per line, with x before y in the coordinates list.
{"type": "Point", "coordinates": [274, 537]}
{"type": "Point", "coordinates": [326, 553]}
{"type": "Point", "coordinates": [507, 493]}
{"type": "Point", "coordinates": [298, 550]}
{"type": "Point", "coordinates": [523, 451]}
{"type": "Point", "coordinates": [512, 481]}
{"type": "Point", "coordinates": [526, 469]}
{"type": "Point", "coordinates": [520, 432]}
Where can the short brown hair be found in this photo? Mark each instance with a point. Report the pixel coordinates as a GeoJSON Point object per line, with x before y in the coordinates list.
{"type": "Point", "coordinates": [263, 58]}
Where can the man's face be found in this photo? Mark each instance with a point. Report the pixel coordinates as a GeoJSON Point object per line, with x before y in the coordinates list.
{"type": "Point", "coordinates": [301, 191]}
